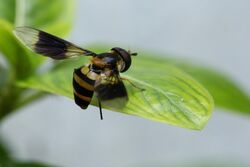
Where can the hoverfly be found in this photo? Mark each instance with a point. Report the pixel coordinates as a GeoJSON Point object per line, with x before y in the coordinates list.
{"type": "Point", "coordinates": [100, 76]}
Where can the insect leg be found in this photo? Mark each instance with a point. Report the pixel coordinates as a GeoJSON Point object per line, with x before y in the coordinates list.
{"type": "Point", "coordinates": [100, 108]}
{"type": "Point", "coordinates": [126, 79]}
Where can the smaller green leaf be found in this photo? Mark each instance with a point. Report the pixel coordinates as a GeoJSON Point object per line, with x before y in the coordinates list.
{"type": "Point", "coordinates": [9, 46]}
{"type": "Point", "coordinates": [17, 56]}
{"type": "Point", "coordinates": [170, 95]}
{"type": "Point", "coordinates": [7, 10]}
{"type": "Point", "coordinates": [54, 16]}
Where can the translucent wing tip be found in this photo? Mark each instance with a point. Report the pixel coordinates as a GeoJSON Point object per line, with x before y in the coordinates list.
{"type": "Point", "coordinates": [28, 36]}
{"type": "Point", "coordinates": [17, 31]}
{"type": "Point", "coordinates": [20, 31]}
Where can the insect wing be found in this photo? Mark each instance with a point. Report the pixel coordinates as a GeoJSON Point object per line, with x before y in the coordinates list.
{"type": "Point", "coordinates": [111, 90]}
{"type": "Point", "coordinates": [48, 45]}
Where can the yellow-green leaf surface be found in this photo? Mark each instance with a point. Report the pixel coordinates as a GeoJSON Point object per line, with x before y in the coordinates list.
{"type": "Point", "coordinates": [171, 96]}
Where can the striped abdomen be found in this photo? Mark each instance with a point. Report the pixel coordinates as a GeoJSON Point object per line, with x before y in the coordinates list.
{"type": "Point", "coordinates": [83, 84]}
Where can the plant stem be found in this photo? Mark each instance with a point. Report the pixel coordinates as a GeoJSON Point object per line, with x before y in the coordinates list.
{"type": "Point", "coordinates": [9, 100]}
{"type": "Point", "coordinates": [20, 13]}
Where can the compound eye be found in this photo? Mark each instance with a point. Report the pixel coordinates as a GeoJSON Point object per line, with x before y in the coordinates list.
{"type": "Point", "coordinates": [125, 57]}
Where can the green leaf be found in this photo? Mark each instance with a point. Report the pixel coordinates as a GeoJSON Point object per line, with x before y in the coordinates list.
{"type": "Point", "coordinates": [16, 55]}
{"type": "Point", "coordinates": [7, 10]}
{"type": "Point", "coordinates": [171, 96]}
{"type": "Point", "coordinates": [54, 16]}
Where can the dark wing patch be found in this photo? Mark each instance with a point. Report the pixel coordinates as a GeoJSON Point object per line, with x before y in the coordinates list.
{"type": "Point", "coordinates": [48, 45]}
{"type": "Point", "coordinates": [110, 90]}
{"type": "Point", "coordinates": [83, 86]}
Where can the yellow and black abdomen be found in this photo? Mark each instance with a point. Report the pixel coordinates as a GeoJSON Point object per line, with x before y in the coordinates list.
{"type": "Point", "coordinates": [83, 84]}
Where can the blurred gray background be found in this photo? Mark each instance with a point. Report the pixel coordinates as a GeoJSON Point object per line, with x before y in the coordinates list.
{"type": "Point", "coordinates": [210, 32]}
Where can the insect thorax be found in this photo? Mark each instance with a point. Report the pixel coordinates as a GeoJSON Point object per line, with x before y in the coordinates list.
{"type": "Point", "coordinates": [107, 61]}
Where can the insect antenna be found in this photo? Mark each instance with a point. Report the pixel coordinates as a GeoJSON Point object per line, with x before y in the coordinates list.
{"type": "Point", "coordinates": [100, 108]}
{"type": "Point", "coordinates": [132, 53]}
